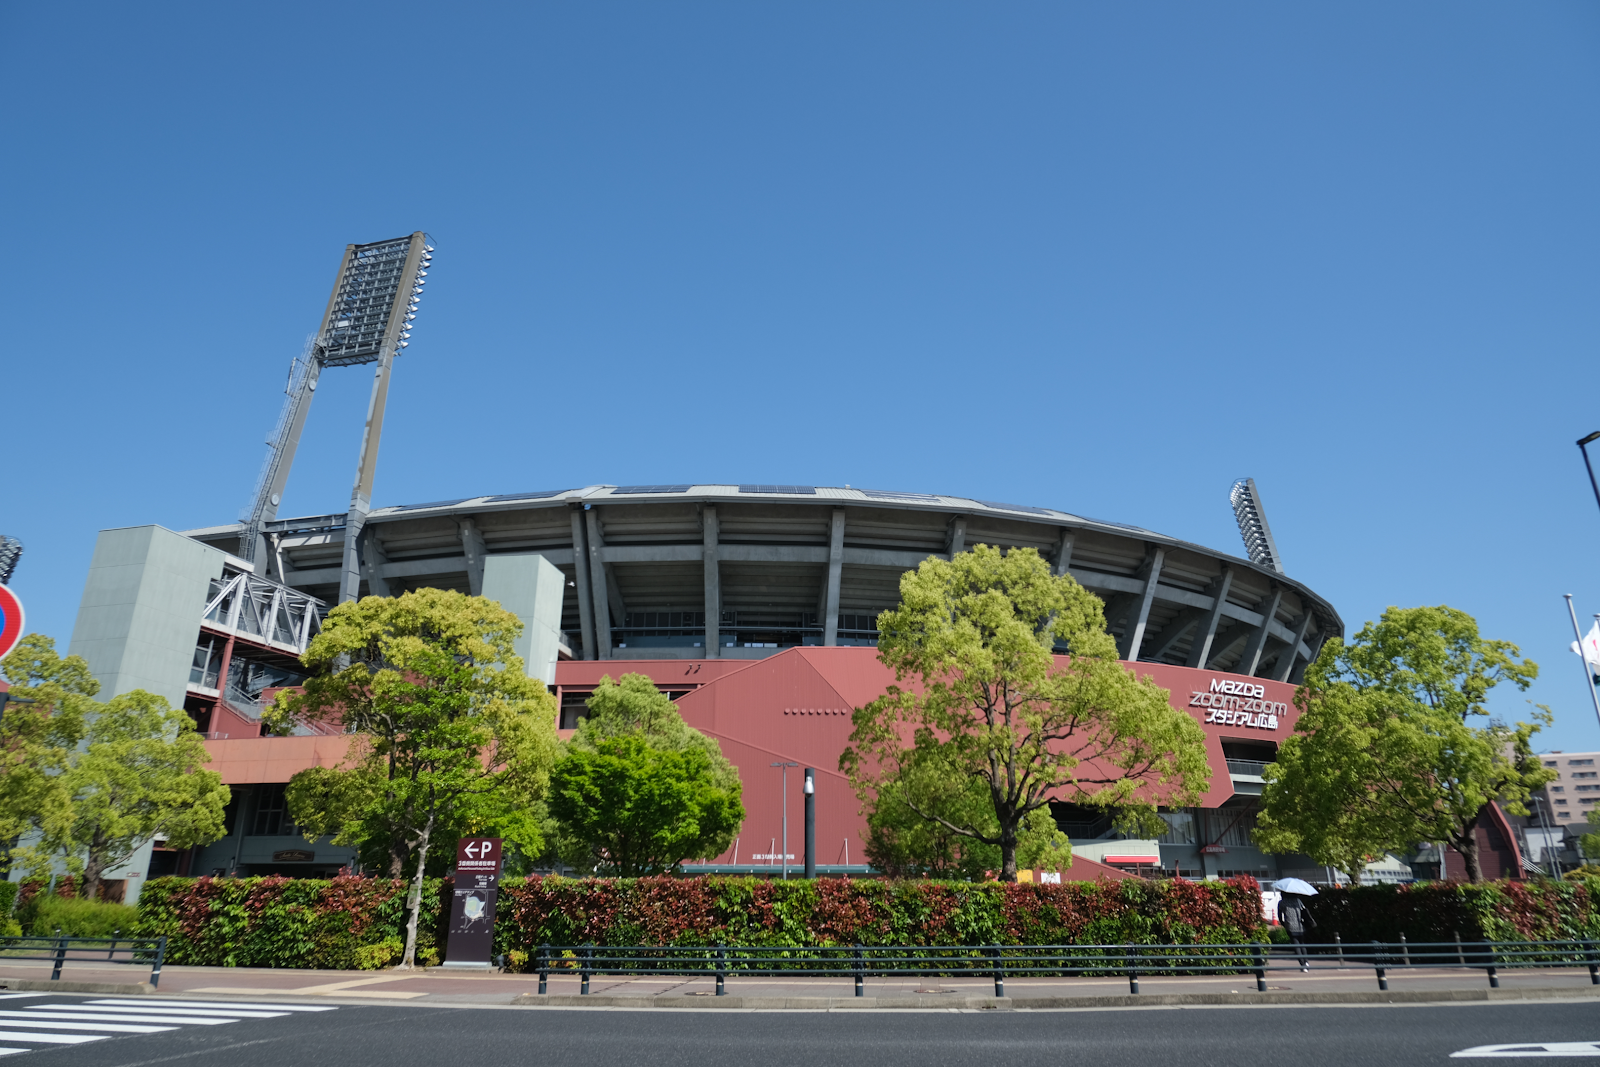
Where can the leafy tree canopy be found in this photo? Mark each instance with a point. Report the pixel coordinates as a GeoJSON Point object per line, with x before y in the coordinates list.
{"type": "Point", "coordinates": [990, 702]}
{"type": "Point", "coordinates": [638, 790]}
{"type": "Point", "coordinates": [94, 782]}
{"type": "Point", "coordinates": [1386, 755]}
{"type": "Point", "coordinates": [450, 736]}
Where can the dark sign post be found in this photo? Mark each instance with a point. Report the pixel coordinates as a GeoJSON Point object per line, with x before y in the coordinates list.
{"type": "Point", "coordinates": [472, 910]}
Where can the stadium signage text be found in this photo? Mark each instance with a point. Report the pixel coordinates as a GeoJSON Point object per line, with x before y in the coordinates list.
{"type": "Point", "coordinates": [1234, 703]}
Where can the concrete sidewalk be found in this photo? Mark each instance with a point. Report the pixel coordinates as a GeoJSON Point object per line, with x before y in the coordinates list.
{"type": "Point", "coordinates": [436, 986]}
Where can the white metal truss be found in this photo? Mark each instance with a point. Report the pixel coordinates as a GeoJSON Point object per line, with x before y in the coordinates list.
{"type": "Point", "coordinates": [259, 608]}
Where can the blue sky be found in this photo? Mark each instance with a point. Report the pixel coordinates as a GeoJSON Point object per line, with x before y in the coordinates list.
{"type": "Point", "coordinates": [1106, 258]}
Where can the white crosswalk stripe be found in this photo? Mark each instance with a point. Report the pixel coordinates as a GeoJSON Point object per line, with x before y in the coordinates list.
{"type": "Point", "coordinates": [243, 1005]}
{"type": "Point", "coordinates": [35, 1026]}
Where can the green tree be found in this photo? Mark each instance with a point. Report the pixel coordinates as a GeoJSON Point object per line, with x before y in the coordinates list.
{"type": "Point", "coordinates": [1589, 843]}
{"type": "Point", "coordinates": [37, 738]}
{"type": "Point", "coordinates": [1385, 753]}
{"type": "Point", "coordinates": [638, 790]}
{"type": "Point", "coordinates": [990, 702]}
{"type": "Point", "coordinates": [449, 733]}
{"type": "Point", "coordinates": [138, 776]}
{"type": "Point", "coordinates": [642, 809]}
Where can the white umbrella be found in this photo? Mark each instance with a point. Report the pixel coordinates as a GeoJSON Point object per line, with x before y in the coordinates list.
{"type": "Point", "coordinates": [1297, 886]}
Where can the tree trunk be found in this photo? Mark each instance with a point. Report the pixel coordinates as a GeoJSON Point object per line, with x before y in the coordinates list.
{"type": "Point", "coordinates": [1008, 853]}
{"type": "Point", "coordinates": [414, 898]}
{"type": "Point", "coordinates": [93, 867]}
{"type": "Point", "coordinates": [1467, 844]}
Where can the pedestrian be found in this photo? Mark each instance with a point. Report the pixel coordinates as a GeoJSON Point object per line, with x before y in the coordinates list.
{"type": "Point", "coordinates": [1296, 919]}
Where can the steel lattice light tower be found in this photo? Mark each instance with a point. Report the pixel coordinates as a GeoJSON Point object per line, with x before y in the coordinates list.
{"type": "Point", "coordinates": [368, 320]}
{"type": "Point", "coordinates": [1253, 526]}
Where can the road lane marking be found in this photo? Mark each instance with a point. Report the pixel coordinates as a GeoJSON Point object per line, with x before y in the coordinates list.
{"type": "Point", "coordinates": [198, 1012]}
{"type": "Point", "coordinates": [113, 1017]}
{"type": "Point", "coordinates": [52, 1023]}
{"type": "Point", "coordinates": [226, 1005]}
{"type": "Point", "coordinates": [49, 1039]}
{"type": "Point", "coordinates": [1530, 1050]}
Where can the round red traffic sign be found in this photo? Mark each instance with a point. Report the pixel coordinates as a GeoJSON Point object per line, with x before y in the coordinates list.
{"type": "Point", "coordinates": [10, 621]}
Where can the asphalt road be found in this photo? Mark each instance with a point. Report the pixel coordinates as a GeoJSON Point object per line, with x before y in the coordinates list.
{"type": "Point", "coordinates": [255, 1035]}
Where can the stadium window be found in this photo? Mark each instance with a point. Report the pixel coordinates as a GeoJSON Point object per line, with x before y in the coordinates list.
{"type": "Point", "coordinates": [1180, 828]}
{"type": "Point", "coordinates": [272, 813]}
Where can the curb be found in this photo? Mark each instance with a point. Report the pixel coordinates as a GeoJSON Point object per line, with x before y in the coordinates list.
{"type": "Point", "coordinates": [44, 985]}
{"type": "Point", "coordinates": [1150, 1000]}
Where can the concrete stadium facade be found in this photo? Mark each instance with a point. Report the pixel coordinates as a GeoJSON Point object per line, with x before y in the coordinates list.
{"type": "Point", "coordinates": [753, 606]}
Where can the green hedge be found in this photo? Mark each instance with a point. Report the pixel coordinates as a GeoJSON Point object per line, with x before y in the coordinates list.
{"type": "Point", "coordinates": [350, 923]}
{"type": "Point", "coordinates": [1441, 911]}
{"type": "Point", "coordinates": [359, 922]}
{"type": "Point", "coordinates": [341, 923]}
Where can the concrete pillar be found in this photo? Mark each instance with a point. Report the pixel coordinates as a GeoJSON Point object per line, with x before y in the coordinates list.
{"type": "Point", "coordinates": [1258, 636]}
{"type": "Point", "coordinates": [1200, 647]}
{"type": "Point", "coordinates": [1285, 665]}
{"type": "Point", "coordinates": [373, 562]}
{"type": "Point", "coordinates": [139, 619]}
{"type": "Point", "coordinates": [580, 566]}
{"type": "Point", "coordinates": [473, 547]}
{"type": "Point", "coordinates": [830, 632]}
{"type": "Point", "coordinates": [713, 586]}
{"type": "Point", "coordinates": [1063, 560]}
{"type": "Point", "coordinates": [1133, 633]}
{"type": "Point", "coordinates": [958, 536]}
{"type": "Point", "coordinates": [598, 593]}
{"type": "Point", "coordinates": [532, 588]}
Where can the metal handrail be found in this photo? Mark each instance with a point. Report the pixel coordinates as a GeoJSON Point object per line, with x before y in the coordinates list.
{"type": "Point", "coordinates": [996, 961]}
{"type": "Point", "coordinates": [59, 950]}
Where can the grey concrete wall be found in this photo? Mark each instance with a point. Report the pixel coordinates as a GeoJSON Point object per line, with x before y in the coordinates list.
{"type": "Point", "coordinates": [140, 614]}
{"type": "Point", "coordinates": [531, 588]}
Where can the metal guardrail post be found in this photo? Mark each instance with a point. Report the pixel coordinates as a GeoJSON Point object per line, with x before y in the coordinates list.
{"type": "Point", "coordinates": [542, 963]}
{"type": "Point", "coordinates": [1261, 968]}
{"type": "Point", "coordinates": [61, 957]}
{"type": "Point", "coordinates": [1377, 963]}
{"type": "Point", "coordinates": [722, 970]}
{"type": "Point", "coordinates": [999, 971]}
{"type": "Point", "coordinates": [856, 966]}
{"type": "Point", "coordinates": [1405, 950]}
{"type": "Point", "coordinates": [584, 956]}
{"type": "Point", "coordinates": [1133, 971]}
{"type": "Point", "coordinates": [111, 953]}
{"type": "Point", "coordinates": [161, 954]}
{"type": "Point", "coordinates": [1338, 947]}
{"type": "Point", "coordinates": [1461, 957]}
{"type": "Point", "coordinates": [1594, 964]}
{"type": "Point", "coordinates": [1494, 973]}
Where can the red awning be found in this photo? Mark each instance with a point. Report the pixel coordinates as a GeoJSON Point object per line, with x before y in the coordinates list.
{"type": "Point", "coordinates": [1131, 859]}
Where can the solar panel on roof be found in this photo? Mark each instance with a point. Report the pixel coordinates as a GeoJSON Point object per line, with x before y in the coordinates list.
{"type": "Point", "coordinates": [792, 490]}
{"type": "Point", "coordinates": [1015, 507]}
{"type": "Point", "coordinates": [885, 494]}
{"type": "Point", "coordinates": [543, 495]}
{"type": "Point", "coordinates": [635, 490]}
{"type": "Point", "coordinates": [435, 504]}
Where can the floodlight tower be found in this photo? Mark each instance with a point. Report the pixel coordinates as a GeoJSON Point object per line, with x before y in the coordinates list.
{"type": "Point", "coordinates": [368, 320]}
{"type": "Point", "coordinates": [1253, 526]}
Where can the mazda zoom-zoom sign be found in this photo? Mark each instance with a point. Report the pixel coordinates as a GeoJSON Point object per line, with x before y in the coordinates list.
{"type": "Point", "coordinates": [1235, 703]}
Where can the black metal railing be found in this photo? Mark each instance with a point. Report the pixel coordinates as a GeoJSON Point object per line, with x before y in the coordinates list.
{"type": "Point", "coordinates": [138, 951]}
{"type": "Point", "coordinates": [859, 962]}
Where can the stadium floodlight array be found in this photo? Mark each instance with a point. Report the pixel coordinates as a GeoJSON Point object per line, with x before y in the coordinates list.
{"type": "Point", "coordinates": [10, 553]}
{"type": "Point", "coordinates": [1253, 526]}
{"type": "Point", "coordinates": [368, 320]}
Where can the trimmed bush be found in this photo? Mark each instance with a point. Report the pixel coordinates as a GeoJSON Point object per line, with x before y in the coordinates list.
{"type": "Point", "coordinates": [76, 917]}
{"type": "Point", "coordinates": [1441, 911]}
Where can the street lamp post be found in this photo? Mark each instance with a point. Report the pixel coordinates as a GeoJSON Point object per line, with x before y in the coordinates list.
{"type": "Point", "coordinates": [785, 846]}
{"type": "Point", "coordinates": [1583, 446]}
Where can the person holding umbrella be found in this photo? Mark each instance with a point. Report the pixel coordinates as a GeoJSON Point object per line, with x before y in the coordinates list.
{"type": "Point", "coordinates": [1295, 915]}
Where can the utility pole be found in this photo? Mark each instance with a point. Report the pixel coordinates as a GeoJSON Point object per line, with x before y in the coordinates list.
{"type": "Point", "coordinates": [785, 767]}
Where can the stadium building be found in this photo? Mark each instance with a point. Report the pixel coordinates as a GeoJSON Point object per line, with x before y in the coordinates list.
{"type": "Point", "coordinates": [753, 606]}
